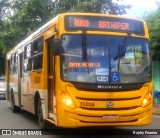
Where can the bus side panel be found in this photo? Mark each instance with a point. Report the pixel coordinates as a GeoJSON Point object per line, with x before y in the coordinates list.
{"type": "Point", "coordinates": [27, 91]}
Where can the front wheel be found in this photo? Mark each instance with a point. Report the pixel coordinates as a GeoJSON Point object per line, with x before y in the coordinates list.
{"type": "Point", "coordinates": [41, 121]}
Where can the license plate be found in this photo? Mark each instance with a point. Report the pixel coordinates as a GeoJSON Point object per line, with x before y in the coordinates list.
{"type": "Point", "coordinates": [110, 117]}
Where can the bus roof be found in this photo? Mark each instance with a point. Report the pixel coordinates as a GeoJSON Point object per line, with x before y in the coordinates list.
{"type": "Point", "coordinates": [100, 14]}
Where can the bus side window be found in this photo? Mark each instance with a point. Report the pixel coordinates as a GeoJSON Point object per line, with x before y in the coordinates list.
{"type": "Point", "coordinates": [14, 62]}
{"type": "Point", "coordinates": [37, 62]}
{"type": "Point", "coordinates": [38, 54]}
{"type": "Point", "coordinates": [27, 58]}
{"type": "Point", "coordinates": [38, 46]}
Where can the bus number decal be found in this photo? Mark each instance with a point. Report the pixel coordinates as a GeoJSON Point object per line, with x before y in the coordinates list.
{"type": "Point", "coordinates": [81, 23]}
{"type": "Point", "coordinates": [87, 104]}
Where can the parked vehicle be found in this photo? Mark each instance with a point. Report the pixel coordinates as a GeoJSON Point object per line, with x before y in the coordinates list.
{"type": "Point", "coordinates": [2, 87]}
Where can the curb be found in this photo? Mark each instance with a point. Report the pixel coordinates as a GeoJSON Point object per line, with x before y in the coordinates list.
{"type": "Point", "coordinates": [156, 114]}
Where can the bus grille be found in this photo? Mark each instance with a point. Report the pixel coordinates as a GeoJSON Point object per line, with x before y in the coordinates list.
{"type": "Point", "coordinates": [118, 99]}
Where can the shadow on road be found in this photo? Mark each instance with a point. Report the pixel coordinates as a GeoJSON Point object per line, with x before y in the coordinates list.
{"type": "Point", "coordinates": [92, 133]}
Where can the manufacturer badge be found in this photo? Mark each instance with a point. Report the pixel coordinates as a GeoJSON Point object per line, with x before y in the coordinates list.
{"type": "Point", "coordinates": [110, 105]}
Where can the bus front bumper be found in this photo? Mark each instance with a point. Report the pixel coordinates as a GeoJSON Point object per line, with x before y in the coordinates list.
{"type": "Point", "coordinates": [72, 118]}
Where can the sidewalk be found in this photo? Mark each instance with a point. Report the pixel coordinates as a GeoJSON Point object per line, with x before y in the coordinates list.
{"type": "Point", "coordinates": [156, 110]}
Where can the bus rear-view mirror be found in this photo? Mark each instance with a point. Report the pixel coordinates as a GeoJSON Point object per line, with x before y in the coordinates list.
{"type": "Point", "coordinates": [57, 47]}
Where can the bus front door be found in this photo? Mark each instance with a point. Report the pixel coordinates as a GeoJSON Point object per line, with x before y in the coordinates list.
{"type": "Point", "coordinates": [51, 82]}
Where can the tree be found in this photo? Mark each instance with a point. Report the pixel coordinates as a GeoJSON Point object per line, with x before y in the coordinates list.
{"type": "Point", "coordinates": [5, 8]}
{"type": "Point", "coordinates": [28, 16]}
{"type": "Point", "coordinates": [95, 6]}
{"type": "Point", "coordinates": [153, 21]}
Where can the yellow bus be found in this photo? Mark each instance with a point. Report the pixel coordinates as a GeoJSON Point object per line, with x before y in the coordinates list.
{"type": "Point", "coordinates": [83, 70]}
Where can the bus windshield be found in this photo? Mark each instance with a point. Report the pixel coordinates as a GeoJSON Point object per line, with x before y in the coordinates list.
{"type": "Point", "coordinates": [108, 60]}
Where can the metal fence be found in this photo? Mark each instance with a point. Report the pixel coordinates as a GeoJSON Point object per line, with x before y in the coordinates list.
{"type": "Point", "coordinates": [157, 98]}
{"type": "Point", "coordinates": [156, 80]}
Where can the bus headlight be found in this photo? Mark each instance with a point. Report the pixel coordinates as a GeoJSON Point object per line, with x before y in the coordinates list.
{"type": "Point", "coordinates": [67, 100]}
{"type": "Point", "coordinates": [147, 99]}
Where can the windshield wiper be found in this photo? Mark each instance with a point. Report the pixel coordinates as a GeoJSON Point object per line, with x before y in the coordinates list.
{"type": "Point", "coordinates": [121, 50]}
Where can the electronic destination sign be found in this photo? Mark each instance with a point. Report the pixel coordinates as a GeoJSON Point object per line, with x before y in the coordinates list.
{"type": "Point", "coordinates": [75, 23]}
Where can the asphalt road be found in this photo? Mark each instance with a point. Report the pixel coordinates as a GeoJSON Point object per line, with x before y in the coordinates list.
{"type": "Point", "coordinates": [24, 120]}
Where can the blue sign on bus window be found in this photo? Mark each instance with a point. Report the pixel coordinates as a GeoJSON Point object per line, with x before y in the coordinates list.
{"type": "Point", "coordinates": [115, 77]}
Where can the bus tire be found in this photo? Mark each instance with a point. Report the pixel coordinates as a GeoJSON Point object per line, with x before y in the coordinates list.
{"type": "Point", "coordinates": [14, 108]}
{"type": "Point", "coordinates": [41, 121]}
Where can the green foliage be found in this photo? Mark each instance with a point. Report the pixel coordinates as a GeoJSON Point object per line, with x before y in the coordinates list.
{"type": "Point", "coordinates": [95, 6]}
{"type": "Point", "coordinates": [153, 21]}
{"type": "Point", "coordinates": [5, 8]}
{"type": "Point", "coordinates": [28, 16]}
